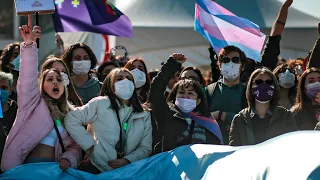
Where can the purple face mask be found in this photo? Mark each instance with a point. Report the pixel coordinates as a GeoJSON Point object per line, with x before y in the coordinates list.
{"type": "Point", "coordinates": [313, 89]}
{"type": "Point", "coordinates": [263, 93]}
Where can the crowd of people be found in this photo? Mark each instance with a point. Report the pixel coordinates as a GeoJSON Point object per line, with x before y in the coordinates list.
{"type": "Point", "coordinates": [99, 119]}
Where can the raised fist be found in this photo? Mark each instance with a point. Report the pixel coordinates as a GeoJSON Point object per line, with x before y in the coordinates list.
{"type": "Point", "coordinates": [180, 58]}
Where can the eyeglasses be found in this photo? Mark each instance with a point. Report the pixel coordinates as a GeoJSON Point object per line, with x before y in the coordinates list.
{"type": "Point", "coordinates": [260, 81]}
{"type": "Point", "coordinates": [227, 60]}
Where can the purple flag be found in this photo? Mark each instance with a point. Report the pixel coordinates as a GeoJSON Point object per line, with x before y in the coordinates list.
{"type": "Point", "coordinates": [98, 16]}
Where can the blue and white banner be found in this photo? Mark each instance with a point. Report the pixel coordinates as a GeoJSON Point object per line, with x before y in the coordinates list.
{"type": "Point", "coordinates": [290, 156]}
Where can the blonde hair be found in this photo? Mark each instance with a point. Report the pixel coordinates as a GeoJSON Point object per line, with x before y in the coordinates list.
{"type": "Point", "coordinates": [60, 107]}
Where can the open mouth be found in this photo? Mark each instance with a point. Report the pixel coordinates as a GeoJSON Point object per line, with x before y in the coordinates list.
{"type": "Point", "coordinates": [55, 90]}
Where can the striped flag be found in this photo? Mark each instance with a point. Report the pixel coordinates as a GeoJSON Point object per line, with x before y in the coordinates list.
{"type": "Point", "coordinates": [208, 122]}
{"type": "Point", "coordinates": [222, 28]}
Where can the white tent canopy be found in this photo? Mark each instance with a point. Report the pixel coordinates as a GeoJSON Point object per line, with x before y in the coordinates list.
{"type": "Point", "coordinates": [164, 27]}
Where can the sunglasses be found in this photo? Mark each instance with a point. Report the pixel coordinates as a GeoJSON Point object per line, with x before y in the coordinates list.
{"type": "Point", "coordinates": [260, 81]}
{"type": "Point", "coordinates": [227, 60]}
{"type": "Point", "coordinates": [285, 69]}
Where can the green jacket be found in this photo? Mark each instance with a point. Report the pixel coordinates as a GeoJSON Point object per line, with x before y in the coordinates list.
{"type": "Point", "coordinates": [231, 100]}
{"type": "Point", "coordinates": [89, 90]}
{"type": "Point", "coordinates": [241, 132]}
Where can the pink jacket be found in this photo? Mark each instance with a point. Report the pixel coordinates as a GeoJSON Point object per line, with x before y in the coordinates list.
{"type": "Point", "coordinates": [33, 121]}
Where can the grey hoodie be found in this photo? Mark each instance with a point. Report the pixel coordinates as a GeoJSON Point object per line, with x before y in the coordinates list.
{"type": "Point", "coordinates": [89, 90]}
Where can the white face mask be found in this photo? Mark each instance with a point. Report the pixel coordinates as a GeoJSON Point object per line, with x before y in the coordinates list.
{"type": "Point", "coordinates": [299, 70]}
{"type": "Point", "coordinates": [186, 105]}
{"type": "Point", "coordinates": [66, 80]}
{"type": "Point", "coordinates": [139, 77]}
{"type": "Point", "coordinates": [124, 89]}
{"type": "Point", "coordinates": [286, 79]}
{"type": "Point", "coordinates": [81, 67]}
{"type": "Point", "coordinates": [230, 71]}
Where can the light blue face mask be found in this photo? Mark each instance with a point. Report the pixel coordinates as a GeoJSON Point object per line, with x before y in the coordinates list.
{"type": "Point", "coordinates": [16, 63]}
{"type": "Point", "coordinates": [4, 94]}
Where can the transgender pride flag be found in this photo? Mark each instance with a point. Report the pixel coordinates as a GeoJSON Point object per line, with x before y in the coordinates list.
{"type": "Point", "coordinates": [222, 28]}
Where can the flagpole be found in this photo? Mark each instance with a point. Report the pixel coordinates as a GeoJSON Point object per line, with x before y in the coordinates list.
{"type": "Point", "coordinates": [37, 24]}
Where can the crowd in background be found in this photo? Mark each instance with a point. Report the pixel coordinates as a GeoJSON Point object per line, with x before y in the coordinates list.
{"type": "Point", "coordinates": [99, 117]}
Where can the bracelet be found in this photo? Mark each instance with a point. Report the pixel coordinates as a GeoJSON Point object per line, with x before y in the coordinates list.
{"type": "Point", "coordinates": [219, 115]}
{"type": "Point", "coordinates": [280, 22]}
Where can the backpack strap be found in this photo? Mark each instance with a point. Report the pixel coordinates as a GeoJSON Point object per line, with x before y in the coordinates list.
{"type": "Point", "coordinates": [120, 152]}
{"type": "Point", "coordinates": [59, 135]}
{"type": "Point", "coordinates": [210, 90]}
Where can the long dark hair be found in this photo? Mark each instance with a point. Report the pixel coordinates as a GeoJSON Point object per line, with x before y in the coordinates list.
{"type": "Point", "coordinates": [107, 89]}
{"type": "Point", "coordinates": [73, 95]}
{"type": "Point", "coordinates": [249, 94]}
{"type": "Point", "coordinates": [202, 108]}
{"type": "Point", "coordinates": [293, 90]}
{"type": "Point", "coordinates": [197, 71]}
{"type": "Point", "coordinates": [302, 100]}
{"type": "Point", "coordinates": [6, 55]}
{"type": "Point", "coordinates": [144, 92]}
{"type": "Point", "coordinates": [67, 56]}
{"type": "Point", "coordinates": [100, 74]}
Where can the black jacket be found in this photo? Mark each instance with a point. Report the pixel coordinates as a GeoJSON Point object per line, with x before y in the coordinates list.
{"type": "Point", "coordinates": [171, 122]}
{"type": "Point", "coordinates": [241, 132]}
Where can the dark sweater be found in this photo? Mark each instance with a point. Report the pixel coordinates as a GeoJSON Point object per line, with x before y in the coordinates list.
{"type": "Point", "coordinates": [227, 99]}
{"type": "Point", "coordinates": [6, 123]}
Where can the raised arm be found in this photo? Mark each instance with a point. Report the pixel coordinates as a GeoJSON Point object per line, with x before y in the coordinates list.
{"type": "Point", "coordinates": [271, 50]}
{"type": "Point", "coordinates": [281, 20]}
{"type": "Point", "coordinates": [215, 71]}
{"type": "Point", "coordinates": [315, 55]}
{"type": "Point", "coordinates": [158, 102]}
{"type": "Point", "coordinates": [27, 85]}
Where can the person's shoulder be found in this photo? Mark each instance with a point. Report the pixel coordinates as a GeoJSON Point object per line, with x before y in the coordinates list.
{"type": "Point", "coordinates": [281, 109]}
{"type": "Point", "coordinates": [245, 111]}
{"type": "Point", "coordinates": [100, 99]}
{"type": "Point", "coordinates": [283, 112]}
{"type": "Point", "coordinates": [242, 115]}
{"type": "Point", "coordinates": [145, 114]}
